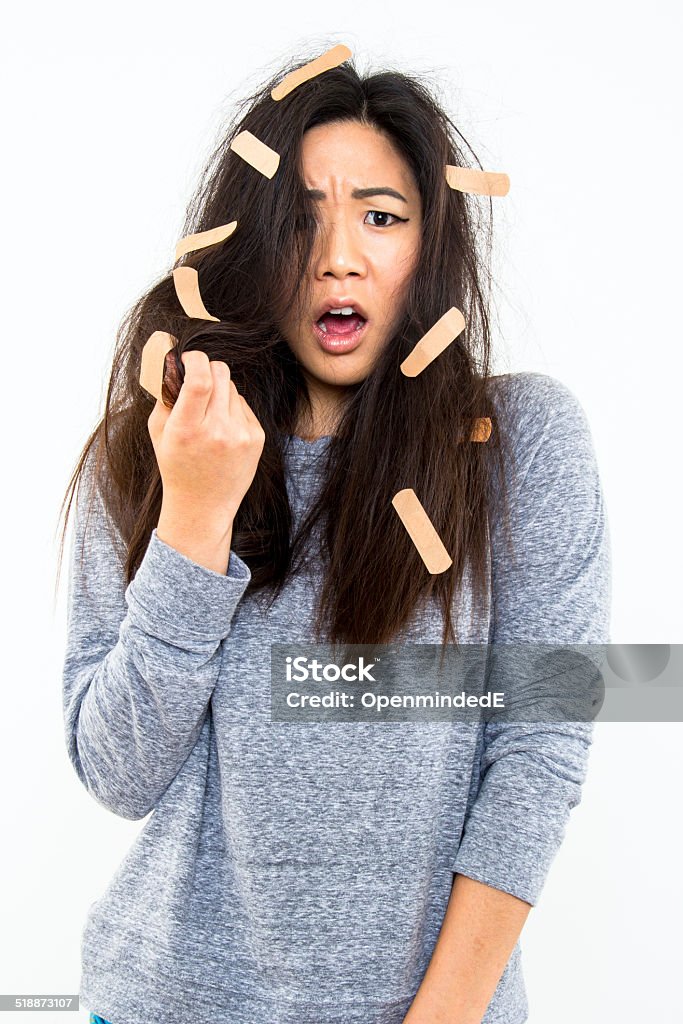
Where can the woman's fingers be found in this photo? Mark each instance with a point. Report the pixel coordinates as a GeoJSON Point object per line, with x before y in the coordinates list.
{"type": "Point", "coordinates": [222, 404]}
{"type": "Point", "coordinates": [195, 394]}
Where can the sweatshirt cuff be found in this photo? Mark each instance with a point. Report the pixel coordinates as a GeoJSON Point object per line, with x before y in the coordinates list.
{"type": "Point", "coordinates": [514, 856]}
{"type": "Point", "coordinates": [182, 602]}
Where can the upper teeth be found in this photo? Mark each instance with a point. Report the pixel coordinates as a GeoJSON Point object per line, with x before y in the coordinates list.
{"type": "Point", "coordinates": [344, 310]}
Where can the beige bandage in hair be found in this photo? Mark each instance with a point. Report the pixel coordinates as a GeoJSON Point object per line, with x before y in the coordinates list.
{"type": "Point", "coordinates": [481, 430]}
{"type": "Point", "coordinates": [152, 362]}
{"type": "Point", "coordinates": [330, 59]}
{"type": "Point", "coordinates": [256, 153]}
{"type": "Point", "coordinates": [421, 530]}
{"type": "Point", "coordinates": [186, 280]}
{"type": "Point", "coordinates": [432, 344]}
{"type": "Point", "coordinates": [483, 183]}
{"type": "Point", "coordinates": [190, 243]}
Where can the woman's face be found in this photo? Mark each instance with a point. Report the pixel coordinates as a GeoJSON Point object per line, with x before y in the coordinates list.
{"type": "Point", "coordinates": [366, 249]}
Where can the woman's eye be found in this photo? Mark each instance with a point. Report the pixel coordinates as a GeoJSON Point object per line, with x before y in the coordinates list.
{"type": "Point", "coordinates": [380, 213]}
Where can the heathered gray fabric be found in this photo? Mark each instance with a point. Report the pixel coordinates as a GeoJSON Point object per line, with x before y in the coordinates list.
{"type": "Point", "coordinates": [299, 873]}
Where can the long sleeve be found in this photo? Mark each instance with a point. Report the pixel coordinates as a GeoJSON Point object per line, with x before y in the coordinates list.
{"type": "Point", "coordinates": [556, 591]}
{"type": "Point", "coordinates": [141, 661]}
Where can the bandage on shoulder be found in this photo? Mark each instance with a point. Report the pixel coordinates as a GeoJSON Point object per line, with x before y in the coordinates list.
{"type": "Point", "coordinates": [256, 153]}
{"type": "Point", "coordinates": [153, 362]}
{"type": "Point", "coordinates": [186, 281]}
{"type": "Point", "coordinates": [483, 183]}
{"type": "Point", "coordinates": [432, 344]}
{"type": "Point", "coordinates": [190, 243]}
{"type": "Point", "coordinates": [421, 530]}
{"type": "Point", "coordinates": [325, 62]}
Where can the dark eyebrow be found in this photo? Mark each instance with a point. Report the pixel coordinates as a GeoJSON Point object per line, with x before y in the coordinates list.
{"type": "Point", "coordinates": [360, 193]}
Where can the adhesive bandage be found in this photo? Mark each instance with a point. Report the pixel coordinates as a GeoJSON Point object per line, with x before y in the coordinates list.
{"type": "Point", "coordinates": [482, 429]}
{"type": "Point", "coordinates": [483, 183]}
{"type": "Point", "coordinates": [153, 360]}
{"type": "Point", "coordinates": [190, 243]}
{"type": "Point", "coordinates": [256, 153]}
{"type": "Point", "coordinates": [330, 59]}
{"type": "Point", "coordinates": [422, 532]}
{"type": "Point", "coordinates": [186, 280]}
{"type": "Point", "coordinates": [432, 344]}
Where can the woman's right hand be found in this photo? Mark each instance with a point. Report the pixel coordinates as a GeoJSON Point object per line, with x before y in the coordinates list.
{"type": "Point", "coordinates": [208, 445]}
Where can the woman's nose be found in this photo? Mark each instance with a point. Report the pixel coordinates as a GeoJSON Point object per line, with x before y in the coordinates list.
{"type": "Point", "coordinates": [340, 249]}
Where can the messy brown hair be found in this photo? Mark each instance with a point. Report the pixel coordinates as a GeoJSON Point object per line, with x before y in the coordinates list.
{"type": "Point", "coordinates": [395, 431]}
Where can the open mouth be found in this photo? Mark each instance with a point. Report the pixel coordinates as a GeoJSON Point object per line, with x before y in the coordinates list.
{"type": "Point", "coordinates": [340, 332]}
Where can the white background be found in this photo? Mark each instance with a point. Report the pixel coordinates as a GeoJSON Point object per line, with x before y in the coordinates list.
{"type": "Point", "coordinates": [109, 113]}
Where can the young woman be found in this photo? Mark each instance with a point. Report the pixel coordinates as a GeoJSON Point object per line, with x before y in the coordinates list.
{"type": "Point", "coordinates": [329, 872]}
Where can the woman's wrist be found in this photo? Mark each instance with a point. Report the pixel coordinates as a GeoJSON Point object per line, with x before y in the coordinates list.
{"type": "Point", "coordinates": [202, 539]}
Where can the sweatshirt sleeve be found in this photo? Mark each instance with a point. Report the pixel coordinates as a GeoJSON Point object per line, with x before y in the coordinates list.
{"type": "Point", "coordinates": [141, 661]}
{"type": "Point", "coordinates": [556, 591]}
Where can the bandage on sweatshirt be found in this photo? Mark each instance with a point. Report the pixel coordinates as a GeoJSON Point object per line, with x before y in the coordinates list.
{"type": "Point", "coordinates": [299, 872]}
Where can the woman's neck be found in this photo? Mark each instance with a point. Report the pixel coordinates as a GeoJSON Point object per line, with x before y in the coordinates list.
{"type": "Point", "coordinates": [322, 418]}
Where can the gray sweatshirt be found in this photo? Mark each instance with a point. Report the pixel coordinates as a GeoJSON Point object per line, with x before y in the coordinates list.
{"type": "Point", "coordinates": [298, 873]}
